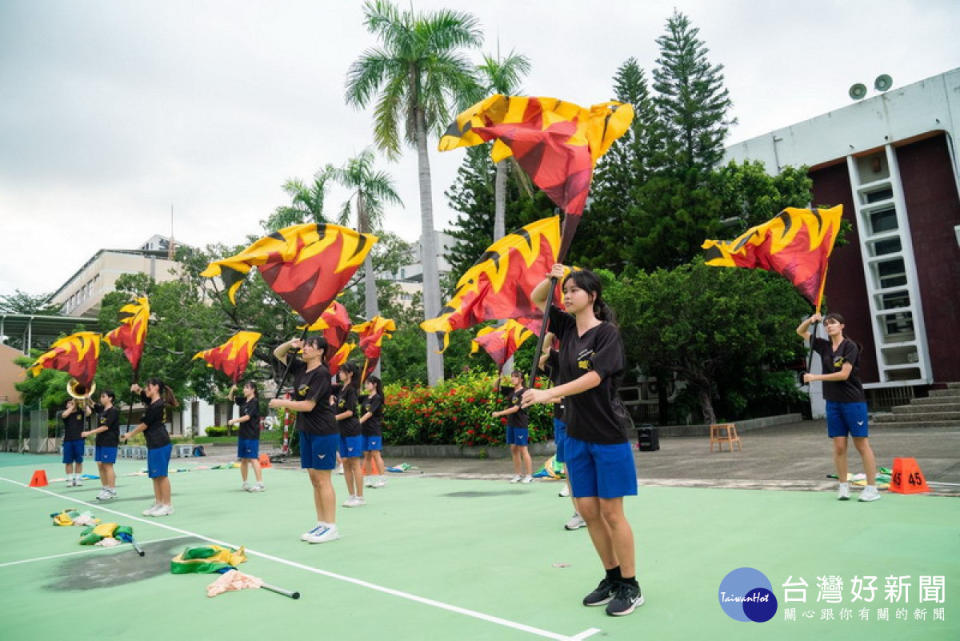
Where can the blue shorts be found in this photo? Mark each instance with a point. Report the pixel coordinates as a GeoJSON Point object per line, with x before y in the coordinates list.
{"type": "Point", "coordinates": [157, 461]}
{"type": "Point", "coordinates": [248, 448]}
{"type": "Point", "coordinates": [372, 443]}
{"type": "Point", "coordinates": [73, 451]}
{"type": "Point", "coordinates": [318, 452]}
{"type": "Point", "coordinates": [601, 470]}
{"type": "Point", "coordinates": [105, 454]}
{"type": "Point", "coordinates": [560, 438]}
{"type": "Point", "coordinates": [518, 436]}
{"type": "Point", "coordinates": [351, 446]}
{"type": "Point", "coordinates": [847, 418]}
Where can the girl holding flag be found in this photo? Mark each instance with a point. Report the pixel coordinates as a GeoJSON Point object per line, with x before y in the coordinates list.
{"type": "Point", "coordinates": [372, 430]}
{"type": "Point", "coordinates": [518, 434]}
{"type": "Point", "coordinates": [846, 402]}
{"type": "Point", "coordinates": [248, 443]}
{"type": "Point", "coordinates": [319, 436]}
{"type": "Point", "coordinates": [351, 438]}
{"type": "Point", "coordinates": [598, 454]}
{"type": "Point", "coordinates": [158, 397]}
{"type": "Point", "coordinates": [108, 438]}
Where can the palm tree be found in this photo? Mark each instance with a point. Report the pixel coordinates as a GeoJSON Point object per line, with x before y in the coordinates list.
{"type": "Point", "coordinates": [413, 77]}
{"type": "Point", "coordinates": [370, 190]}
{"type": "Point", "coordinates": [502, 76]}
{"type": "Point", "coordinates": [306, 203]}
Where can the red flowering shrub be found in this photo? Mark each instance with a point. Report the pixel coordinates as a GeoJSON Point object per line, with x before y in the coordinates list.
{"type": "Point", "coordinates": [456, 412]}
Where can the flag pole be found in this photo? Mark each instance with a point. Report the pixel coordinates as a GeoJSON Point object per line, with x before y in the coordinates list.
{"type": "Point", "coordinates": [569, 229]}
{"type": "Point", "coordinates": [813, 327]}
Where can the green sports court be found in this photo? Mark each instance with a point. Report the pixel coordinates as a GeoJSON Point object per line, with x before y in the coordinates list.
{"type": "Point", "coordinates": [443, 558]}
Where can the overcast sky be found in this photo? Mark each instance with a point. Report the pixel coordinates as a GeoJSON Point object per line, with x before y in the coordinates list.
{"type": "Point", "coordinates": [113, 111]}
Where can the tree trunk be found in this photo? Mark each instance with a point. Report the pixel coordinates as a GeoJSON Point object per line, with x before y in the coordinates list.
{"type": "Point", "coordinates": [499, 227]}
{"type": "Point", "coordinates": [706, 404]}
{"type": "Point", "coordinates": [428, 253]}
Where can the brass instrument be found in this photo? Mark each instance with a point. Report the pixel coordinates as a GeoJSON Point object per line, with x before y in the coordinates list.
{"type": "Point", "coordinates": [79, 392]}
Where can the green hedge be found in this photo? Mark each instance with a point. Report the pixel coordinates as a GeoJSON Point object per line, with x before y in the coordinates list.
{"type": "Point", "coordinates": [458, 411]}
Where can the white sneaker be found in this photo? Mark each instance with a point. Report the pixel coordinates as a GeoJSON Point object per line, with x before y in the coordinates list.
{"type": "Point", "coordinates": [381, 482]}
{"type": "Point", "coordinates": [843, 494]}
{"type": "Point", "coordinates": [527, 479]}
{"type": "Point", "coordinates": [565, 492]}
{"type": "Point", "coordinates": [516, 478]}
{"type": "Point", "coordinates": [323, 535]}
{"type": "Point", "coordinates": [256, 488]}
{"type": "Point", "coordinates": [575, 523]}
{"type": "Point", "coordinates": [370, 481]}
{"type": "Point", "coordinates": [104, 495]}
{"type": "Point", "coordinates": [78, 482]}
{"type": "Point", "coordinates": [71, 482]}
{"type": "Point", "coordinates": [354, 501]}
{"type": "Point", "coordinates": [163, 510]}
{"type": "Point", "coordinates": [316, 528]}
{"type": "Point", "coordinates": [869, 493]}
{"type": "Point", "coordinates": [150, 510]}
{"type": "Point", "coordinates": [340, 469]}
{"type": "Point", "coordinates": [245, 487]}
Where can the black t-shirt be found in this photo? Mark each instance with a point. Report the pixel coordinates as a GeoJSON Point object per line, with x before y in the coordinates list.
{"type": "Point", "coordinates": [519, 418]}
{"type": "Point", "coordinates": [111, 418]}
{"type": "Point", "coordinates": [73, 426]}
{"type": "Point", "coordinates": [850, 390]}
{"type": "Point", "coordinates": [597, 415]}
{"type": "Point", "coordinates": [249, 429]}
{"type": "Point", "coordinates": [347, 402]}
{"type": "Point", "coordinates": [313, 386]}
{"type": "Point", "coordinates": [155, 419]}
{"type": "Point", "coordinates": [373, 426]}
{"type": "Point", "coordinates": [552, 369]}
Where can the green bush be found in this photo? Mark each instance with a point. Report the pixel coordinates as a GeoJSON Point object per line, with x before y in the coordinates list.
{"type": "Point", "coordinates": [458, 411]}
{"type": "Point", "coordinates": [217, 430]}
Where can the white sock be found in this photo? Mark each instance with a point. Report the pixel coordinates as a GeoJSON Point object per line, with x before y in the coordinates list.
{"type": "Point", "coordinates": [844, 486]}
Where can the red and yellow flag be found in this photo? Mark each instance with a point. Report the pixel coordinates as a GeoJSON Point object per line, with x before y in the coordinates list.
{"type": "Point", "coordinates": [76, 355]}
{"type": "Point", "coordinates": [334, 322]}
{"type": "Point", "coordinates": [499, 284]}
{"type": "Point", "coordinates": [232, 357]}
{"type": "Point", "coordinates": [500, 342]}
{"type": "Point", "coordinates": [132, 333]}
{"type": "Point", "coordinates": [796, 244]}
{"type": "Point", "coordinates": [371, 336]}
{"type": "Point", "coordinates": [339, 358]}
{"type": "Point", "coordinates": [556, 142]}
{"type": "Point", "coordinates": [306, 265]}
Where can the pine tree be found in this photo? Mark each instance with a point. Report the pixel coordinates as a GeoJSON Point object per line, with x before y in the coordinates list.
{"type": "Point", "coordinates": [618, 176]}
{"type": "Point", "coordinates": [691, 101]}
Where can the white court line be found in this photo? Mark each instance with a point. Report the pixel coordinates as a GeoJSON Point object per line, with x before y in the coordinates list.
{"type": "Point", "coordinates": [92, 548]}
{"type": "Point", "coordinates": [373, 586]}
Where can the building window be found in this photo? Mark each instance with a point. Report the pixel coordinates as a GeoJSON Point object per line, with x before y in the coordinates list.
{"type": "Point", "coordinates": [883, 220]}
{"type": "Point", "coordinates": [891, 273]}
{"type": "Point", "coordinates": [887, 246]}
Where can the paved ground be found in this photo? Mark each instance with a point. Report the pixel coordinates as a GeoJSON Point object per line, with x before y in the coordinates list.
{"type": "Point", "coordinates": [792, 456]}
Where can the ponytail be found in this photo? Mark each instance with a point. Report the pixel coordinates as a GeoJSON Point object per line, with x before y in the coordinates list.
{"type": "Point", "coordinates": [166, 394]}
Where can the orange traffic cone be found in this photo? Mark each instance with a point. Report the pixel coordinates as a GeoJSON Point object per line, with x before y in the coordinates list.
{"type": "Point", "coordinates": [264, 462]}
{"type": "Point", "coordinates": [39, 479]}
{"type": "Point", "coordinates": [907, 477]}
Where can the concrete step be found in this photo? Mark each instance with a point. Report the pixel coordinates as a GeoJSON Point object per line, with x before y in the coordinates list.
{"type": "Point", "coordinates": [926, 407]}
{"type": "Point", "coordinates": [877, 424]}
{"type": "Point", "coordinates": [953, 385]}
{"type": "Point", "coordinates": [938, 417]}
{"type": "Point", "coordinates": [950, 392]}
{"type": "Point", "coordinates": [932, 400]}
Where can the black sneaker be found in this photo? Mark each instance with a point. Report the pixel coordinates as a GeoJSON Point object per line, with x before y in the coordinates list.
{"type": "Point", "coordinates": [602, 594]}
{"type": "Point", "coordinates": [625, 599]}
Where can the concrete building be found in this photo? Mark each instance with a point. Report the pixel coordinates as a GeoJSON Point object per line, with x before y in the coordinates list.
{"type": "Point", "coordinates": [410, 277]}
{"type": "Point", "coordinates": [82, 293]}
{"type": "Point", "coordinates": [891, 161]}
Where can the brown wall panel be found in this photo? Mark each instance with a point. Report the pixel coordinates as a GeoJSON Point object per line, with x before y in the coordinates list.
{"type": "Point", "coordinates": [930, 192]}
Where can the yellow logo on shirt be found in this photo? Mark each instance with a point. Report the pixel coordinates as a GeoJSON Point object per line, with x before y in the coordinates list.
{"type": "Point", "coordinates": [583, 364]}
{"type": "Point", "coordinates": [302, 391]}
{"type": "Point", "coordinates": [838, 362]}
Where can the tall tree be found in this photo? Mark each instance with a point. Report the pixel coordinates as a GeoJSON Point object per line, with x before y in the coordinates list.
{"type": "Point", "coordinates": [306, 203]}
{"type": "Point", "coordinates": [369, 191]}
{"type": "Point", "coordinates": [691, 100]}
{"type": "Point", "coordinates": [21, 302]}
{"type": "Point", "coordinates": [413, 77]}
{"type": "Point", "coordinates": [502, 75]}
